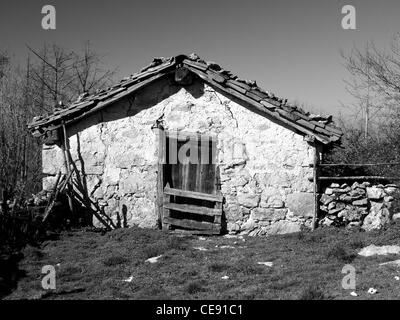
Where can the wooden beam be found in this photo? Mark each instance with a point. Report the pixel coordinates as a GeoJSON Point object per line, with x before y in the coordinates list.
{"type": "Point", "coordinates": [193, 209]}
{"type": "Point", "coordinates": [201, 232]}
{"type": "Point", "coordinates": [184, 135]}
{"type": "Point", "coordinates": [359, 178]}
{"type": "Point", "coordinates": [358, 164]}
{"type": "Point", "coordinates": [315, 189]}
{"type": "Point", "coordinates": [193, 194]}
{"type": "Point", "coordinates": [160, 133]}
{"type": "Point", "coordinates": [192, 224]}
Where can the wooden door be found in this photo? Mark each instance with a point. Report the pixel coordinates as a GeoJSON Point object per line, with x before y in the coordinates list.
{"type": "Point", "coordinates": [192, 198]}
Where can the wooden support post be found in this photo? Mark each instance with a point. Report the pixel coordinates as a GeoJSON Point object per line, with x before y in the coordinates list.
{"type": "Point", "coordinates": [315, 183]}
{"type": "Point", "coordinates": [160, 134]}
{"type": "Point", "coordinates": [166, 211]}
{"type": "Point", "coordinates": [65, 147]}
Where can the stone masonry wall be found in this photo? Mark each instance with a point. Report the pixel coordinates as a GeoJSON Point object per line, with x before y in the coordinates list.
{"type": "Point", "coordinates": [264, 167]}
{"type": "Point", "coordinates": [359, 205]}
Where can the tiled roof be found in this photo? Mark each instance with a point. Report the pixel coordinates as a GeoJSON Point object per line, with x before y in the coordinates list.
{"type": "Point", "coordinates": [319, 127]}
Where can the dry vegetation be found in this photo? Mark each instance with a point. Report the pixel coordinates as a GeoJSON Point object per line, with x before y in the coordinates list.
{"type": "Point", "coordinates": [306, 265]}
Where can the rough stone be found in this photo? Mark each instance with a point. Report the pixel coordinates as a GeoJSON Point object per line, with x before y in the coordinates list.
{"type": "Point", "coordinates": [328, 191]}
{"type": "Point", "coordinates": [388, 199]}
{"type": "Point", "coordinates": [279, 214]}
{"type": "Point", "coordinates": [376, 219]}
{"type": "Point", "coordinates": [301, 204]}
{"type": "Point", "coordinates": [326, 199]}
{"type": "Point", "coordinates": [361, 202]}
{"type": "Point", "coordinates": [249, 200]}
{"type": "Point", "coordinates": [396, 216]}
{"type": "Point", "coordinates": [249, 225]}
{"type": "Point", "coordinates": [340, 190]}
{"type": "Point", "coordinates": [332, 205]}
{"type": "Point", "coordinates": [351, 214]}
{"type": "Point", "coordinates": [345, 198]}
{"type": "Point", "coordinates": [283, 227]}
{"type": "Point", "coordinates": [355, 185]}
{"type": "Point", "coordinates": [357, 193]}
{"type": "Point", "coordinates": [339, 207]}
{"type": "Point", "coordinates": [390, 190]}
{"type": "Point", "coordinates": [326, 222]}
{"type": "Point", "coordinates": [262, 214]}
{"type": "Point", "coordinates": [375, 193]}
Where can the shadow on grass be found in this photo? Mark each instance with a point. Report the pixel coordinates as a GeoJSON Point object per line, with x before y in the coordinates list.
{"type": "Point", "coordinates": [312, 292]}
{"type": "Point", "coordinates": [339, 253]}
{"type": "Point", "coordinates": [9, 272]}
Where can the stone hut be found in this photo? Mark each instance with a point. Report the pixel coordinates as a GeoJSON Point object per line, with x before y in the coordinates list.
{"type": "Point", "coordinates": [261, 150]}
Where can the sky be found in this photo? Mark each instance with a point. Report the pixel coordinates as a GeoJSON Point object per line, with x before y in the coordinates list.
{"type": "Point", "coordinates": [291, 48]}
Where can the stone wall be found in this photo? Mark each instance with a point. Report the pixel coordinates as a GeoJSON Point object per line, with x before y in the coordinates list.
{"type": "Point", "coordinates": [264, 167]}
{"type": "Point", "coordinates": [359, 205]}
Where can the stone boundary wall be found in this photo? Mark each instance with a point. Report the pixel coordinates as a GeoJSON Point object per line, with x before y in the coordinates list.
{"type": "Point", "coordinates": [359, 205]}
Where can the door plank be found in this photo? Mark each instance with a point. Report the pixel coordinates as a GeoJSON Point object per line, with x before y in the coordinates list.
{"type": "Point", "coordinates": [192, 209]}
{"type": "Point", "coordinates": [193, 194]}
{"type": "Point", "coordinates": [190, 224]}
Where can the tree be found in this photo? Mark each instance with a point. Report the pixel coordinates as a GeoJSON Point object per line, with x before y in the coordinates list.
{"type": "Point", "coordinates": [54, 74]}
{"type": "Point", "coordinates": [375, 83]}
{"type": "Point", "coordinates": [62, 75]}
{"type": "Point", "coordinates": [88, 71]}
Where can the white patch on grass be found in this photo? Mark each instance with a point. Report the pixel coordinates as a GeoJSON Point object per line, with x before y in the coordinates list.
{"type": "Point", "coordinates": [154, 259]}
{"type": "Point", "coordinates": [372, 291]}
{"type": "Point", "coordinates": [200, 248]}
{"type": "Point", "coordinates": [234, 236]}
{"type": "Point", "coordinates": [268, 264]}
{"type": "Point", "coordinates": [395, 263]}
{"type": "Point", "coordinates": [372, 250]}
{"type": "Point", "coordinates": [129, 279]}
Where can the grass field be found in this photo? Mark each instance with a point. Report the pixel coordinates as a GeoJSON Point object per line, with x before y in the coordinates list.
{"type": "Point", "coordinates": [306, 265]}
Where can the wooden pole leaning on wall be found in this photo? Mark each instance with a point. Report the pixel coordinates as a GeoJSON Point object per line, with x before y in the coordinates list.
{"type": "Point", "coordinates": [65, 147]}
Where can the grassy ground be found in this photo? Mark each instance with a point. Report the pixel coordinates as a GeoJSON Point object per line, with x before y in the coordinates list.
{"type": "Point", "coordinates": [91, 265]}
